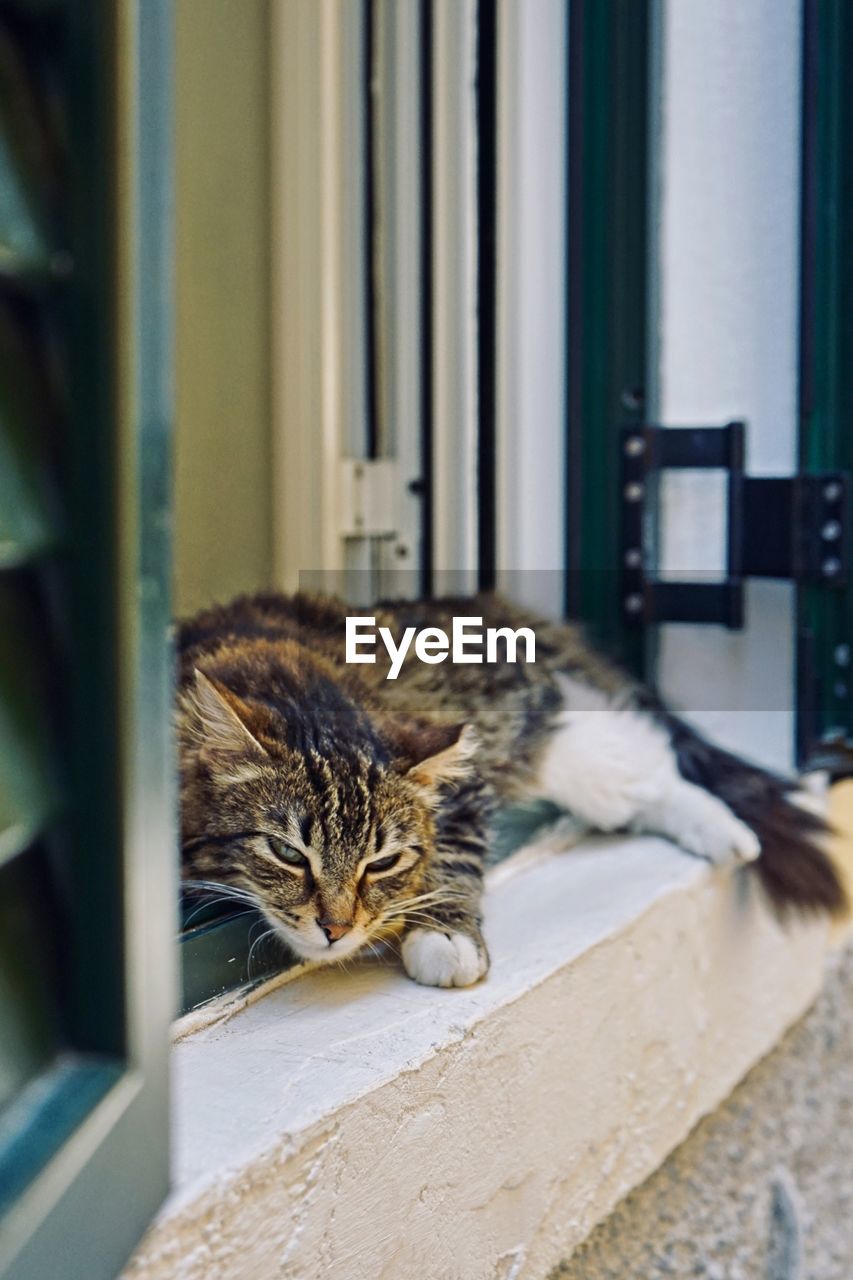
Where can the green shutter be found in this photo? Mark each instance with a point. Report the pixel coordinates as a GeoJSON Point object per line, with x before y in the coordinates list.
{"type": "Point", "coordinates": [825, 721]}
{"type": "Point", "coordinates": [609, 70]}
{"type": "Point", "coordinates": [87, 846]}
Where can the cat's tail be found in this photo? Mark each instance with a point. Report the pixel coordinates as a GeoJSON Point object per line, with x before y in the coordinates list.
{"type": "Point", "coordinates": [796, 871]}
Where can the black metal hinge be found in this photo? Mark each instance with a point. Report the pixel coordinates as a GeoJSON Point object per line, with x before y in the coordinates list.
{"type": "Point", "coordinates": [792, 527]}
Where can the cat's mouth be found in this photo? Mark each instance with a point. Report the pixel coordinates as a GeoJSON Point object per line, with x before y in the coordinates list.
{"type": "Point", "coordinates": [317, 948]}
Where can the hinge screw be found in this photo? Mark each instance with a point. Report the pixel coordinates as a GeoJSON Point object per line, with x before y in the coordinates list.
{"type": "Point", "coordinates": [634, 492]}
{"type": "Point", "coordinates": [842, 655]}
{"type": "Point", "coordinates": [840, 689]}
{"type": "Point", "coordinates": [634, 604]}
{"type": "Point", "coordinates": [634, 558]}
{"type": "Point", "coordinates": [830, 568]}
{"type": "Point", "coordinates": [831, 531]}
{"type": "Point", "coordinates": [832, 491]}
{"type": "Point", "coordinates": [634, 446]}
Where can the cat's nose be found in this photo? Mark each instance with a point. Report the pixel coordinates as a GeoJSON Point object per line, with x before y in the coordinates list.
{"type": "Point", "coordinates": [334, 929]}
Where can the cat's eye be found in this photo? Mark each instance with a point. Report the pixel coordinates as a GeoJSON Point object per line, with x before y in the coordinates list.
{"type": "Point", "coordinates": [383, 864]}
{"type": "Point", "coordinates": [286, 853]}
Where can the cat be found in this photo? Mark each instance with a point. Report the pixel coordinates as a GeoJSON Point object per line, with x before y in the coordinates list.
{"type": "Point", "coordinates": [350, 808]}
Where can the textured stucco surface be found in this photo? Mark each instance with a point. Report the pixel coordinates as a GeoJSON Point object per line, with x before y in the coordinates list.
{"type": "Point", "coordinates": [359, 1125]}
{"type": "Point", "coordinates": [763, 1188]}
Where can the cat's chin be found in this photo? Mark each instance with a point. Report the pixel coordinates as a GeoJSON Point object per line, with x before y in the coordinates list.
{"type": "Point", "coordinates": [322, 953]}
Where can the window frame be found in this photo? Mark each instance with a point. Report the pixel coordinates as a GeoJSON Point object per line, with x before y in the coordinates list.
{"type": "Point", "coordinates": [529, 503]}
{"type": "Point", "coordinates": [83, 1211]}
{"type": "Point", "coordinates": [824, 729]}
{"type": "Point", "coordinates": [436, 231]}
{"type": "Point", "coordinates": [611, 52]}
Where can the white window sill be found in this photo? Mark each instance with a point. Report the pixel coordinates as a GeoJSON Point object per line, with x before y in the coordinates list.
{"type": "Point", "coordinates": [356, 1121]}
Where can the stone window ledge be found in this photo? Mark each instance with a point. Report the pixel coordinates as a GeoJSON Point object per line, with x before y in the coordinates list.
{"type": "Point", "coordinates": [351, 1121]}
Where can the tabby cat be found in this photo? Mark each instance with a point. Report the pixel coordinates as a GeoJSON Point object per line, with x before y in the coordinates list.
{"type": "Point", "coordinates": [351, 808]}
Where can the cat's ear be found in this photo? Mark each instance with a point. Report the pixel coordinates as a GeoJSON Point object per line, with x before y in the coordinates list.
{"type": "Point", "coordinates": [221, 717]}
{"type": "Point", "coordinates": [440, 753]}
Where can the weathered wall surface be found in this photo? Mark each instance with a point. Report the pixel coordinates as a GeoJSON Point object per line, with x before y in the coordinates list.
{"type": "Point", "coordinates": [763, 1188]}
{"type": "Point", "coordinates": [362, 1126]}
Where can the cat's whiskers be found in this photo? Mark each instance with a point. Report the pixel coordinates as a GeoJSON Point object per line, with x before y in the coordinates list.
{"type": "Point", "coordinates": [435, 897]}
{"type": "Point", "coordinates": [407, 912]}
{"type": "Point", "coordinates": [268, 933]}
{"type": "Point", "coordinates": [345, 962]}
{"type": "Point", "coordinates": [427, 922]}
{"type": "Point", "coordinates": [216, 886]}
{"type": "Point", "coordinates": [215, 902]}
{"type": "Point", "coordinates": [438, 892]}
{"type": "Point", "coordinates": [384, 931]}
{"type": "Point", "coordinates": [389, 923]}
{"type": "Point", "coordinates": [383, 935]}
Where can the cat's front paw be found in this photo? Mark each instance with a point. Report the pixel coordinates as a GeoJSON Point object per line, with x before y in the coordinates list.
{"type": "Point", "coordinates": [443, 959]}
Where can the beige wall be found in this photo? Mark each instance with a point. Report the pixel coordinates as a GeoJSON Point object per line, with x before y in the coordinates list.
{"type": "Point", "coordinates": [222, 471]}
{"type": "Point", "coordinates": [841, 817]}
{"type": "Point", "coordinates": [761, 1190]}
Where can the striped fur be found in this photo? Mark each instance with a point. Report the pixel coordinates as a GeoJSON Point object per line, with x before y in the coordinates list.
{"type": "Point", "coordinates": [304, 779]}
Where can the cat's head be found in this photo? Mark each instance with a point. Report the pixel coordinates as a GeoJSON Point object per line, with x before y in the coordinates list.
{"type": "Point", "coordinates": [324, 818]}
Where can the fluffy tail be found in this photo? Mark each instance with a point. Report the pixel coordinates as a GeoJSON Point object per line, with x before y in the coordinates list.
{"type": "Point", "coordinates": [794, 867]}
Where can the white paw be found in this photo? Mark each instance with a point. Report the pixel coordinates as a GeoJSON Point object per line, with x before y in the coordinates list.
{"type": "Point", "coordinates": [442, 960]}
{"type": "Point", "coordinates": [703, 825]}
{"type": "Point", "coordinates": [716, 834]}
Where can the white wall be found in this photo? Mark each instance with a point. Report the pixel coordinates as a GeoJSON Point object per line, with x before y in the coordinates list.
{"type": "Point", "coordinates": [727, 249]}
